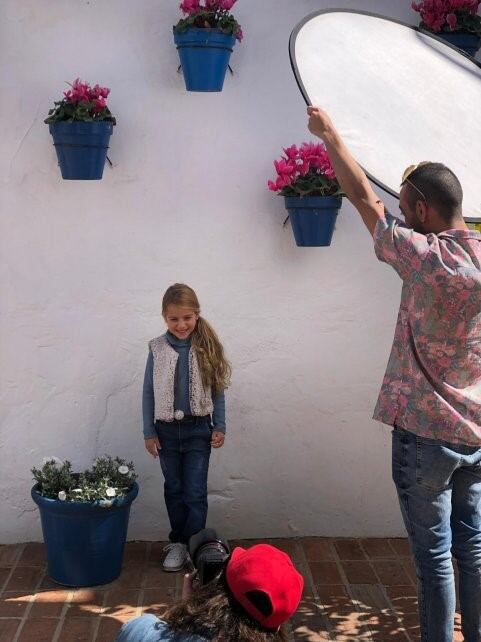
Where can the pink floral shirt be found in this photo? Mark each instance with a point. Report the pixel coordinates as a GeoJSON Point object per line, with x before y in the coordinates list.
{"type": "Point", "coordinates": [432, 385]}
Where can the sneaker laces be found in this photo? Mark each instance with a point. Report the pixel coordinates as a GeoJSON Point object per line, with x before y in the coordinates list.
{"type": "Point", "coordinates": [172, 545]}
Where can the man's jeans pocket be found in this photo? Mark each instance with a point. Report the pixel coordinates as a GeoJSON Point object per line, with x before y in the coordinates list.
{"type": "Point", "coordinates": [426, 463]}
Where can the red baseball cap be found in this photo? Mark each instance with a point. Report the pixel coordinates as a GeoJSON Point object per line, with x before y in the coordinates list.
{"type": "Point", "coordinates": [265, 582]}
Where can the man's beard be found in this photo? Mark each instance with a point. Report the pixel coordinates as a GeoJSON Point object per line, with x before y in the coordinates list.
{"type": "Point", "coordinates": [417, 225]}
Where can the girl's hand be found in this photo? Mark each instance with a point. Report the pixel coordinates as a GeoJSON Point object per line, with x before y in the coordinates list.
{"type": "Point", "coordinates": [152, 445]}
{"type": "Point", "coordinates": [218, 439]}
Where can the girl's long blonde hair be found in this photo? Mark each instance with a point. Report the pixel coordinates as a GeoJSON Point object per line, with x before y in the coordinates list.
{"type": "Point", "coordinates": [214, 367]}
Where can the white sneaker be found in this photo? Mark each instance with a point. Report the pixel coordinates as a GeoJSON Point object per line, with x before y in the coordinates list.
{"type": "Point", "coordinates": [175, 558]}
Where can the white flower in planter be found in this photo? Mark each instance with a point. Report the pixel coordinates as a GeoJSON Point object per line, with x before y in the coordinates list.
{"type": "Point", "coordinates": [179, 415]}
{"type": "Point", "coordinates": [55, 460]}
{"type": "Point", "coordinates": [123, 470]}
{"type": "Point", "coordinates": [110, 492]}
{"type": "Point", "coordinates": [62, 495]}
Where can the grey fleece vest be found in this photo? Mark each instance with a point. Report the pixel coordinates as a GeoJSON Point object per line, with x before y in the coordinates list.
{"type": "Point", "coordinates": [165, 362]}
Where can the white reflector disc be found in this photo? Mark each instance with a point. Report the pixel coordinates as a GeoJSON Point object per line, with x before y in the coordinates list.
{"type": "Point", "coordinates": [397, 96]}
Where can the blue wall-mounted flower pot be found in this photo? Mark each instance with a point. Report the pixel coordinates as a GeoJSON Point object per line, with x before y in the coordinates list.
{"type": "Point", "coordinates": [313, 218]}
{"type": "Point", "coordinates": [204, 56]}
{"type": "Point", "coordinates": [81, 148]}
{"type": "Point", "coordinates": [85, 541]}
{"type": "Point", "coordinates": [468, 42]}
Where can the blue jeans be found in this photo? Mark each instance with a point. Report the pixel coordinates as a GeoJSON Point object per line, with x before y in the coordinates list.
{"type": "Point", "coordinates": [184, 459]}
{"type": "Point", "coordinates": [439, 489]}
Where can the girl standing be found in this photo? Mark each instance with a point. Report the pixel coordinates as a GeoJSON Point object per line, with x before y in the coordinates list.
{"type": "Point", "coordinates": [184, 413]}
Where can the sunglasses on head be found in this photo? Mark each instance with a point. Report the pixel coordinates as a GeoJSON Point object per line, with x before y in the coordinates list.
{"type": "Point", "coordinates": [407, 173]}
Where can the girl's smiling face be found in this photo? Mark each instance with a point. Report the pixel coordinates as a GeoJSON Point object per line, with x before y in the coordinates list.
{"type": "Point", "coordinates": [180, 321]}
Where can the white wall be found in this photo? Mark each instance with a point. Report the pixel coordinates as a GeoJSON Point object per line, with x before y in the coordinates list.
{"type": "Point", "coordinates": [84, 266]}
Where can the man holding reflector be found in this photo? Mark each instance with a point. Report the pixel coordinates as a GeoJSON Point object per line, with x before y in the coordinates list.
{"type": "Point", "coordinates": [431, 392]}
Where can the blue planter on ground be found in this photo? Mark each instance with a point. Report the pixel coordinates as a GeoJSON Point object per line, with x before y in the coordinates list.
{"type": "Point", "coordinates": [204, 56]}
{"type": "Point", "coordinates": [313, 218]}
{"type": "Point", "coordinates": [81, 148]}
{"type": "Point", "coordinates": [85, 542]}
{"type": "Point", "coordinates": [468, 42]}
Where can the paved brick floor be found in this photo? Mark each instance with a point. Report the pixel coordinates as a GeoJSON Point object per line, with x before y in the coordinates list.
{"type": "Point", "coordinates": [356, 589]}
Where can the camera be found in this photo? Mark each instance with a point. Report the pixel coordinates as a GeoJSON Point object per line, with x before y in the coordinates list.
{"type": "Point", "coordinates": [209, 552]}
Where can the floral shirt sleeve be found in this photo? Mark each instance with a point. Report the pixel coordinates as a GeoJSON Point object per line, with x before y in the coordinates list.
{"type": "Point", "coordinates": [400, 246]}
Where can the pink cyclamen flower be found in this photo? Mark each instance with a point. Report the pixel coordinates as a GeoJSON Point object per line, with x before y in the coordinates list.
{"type": "Point", "coordinates": [283, 181]}
{"type": "Point", "coordinates": [452, 20]}
{"type": "Point", "coordinates": [226, 5]}
{"type": "Point", "coordinates": [189, 6]}
{"type": "Point", "coordinates": [284, 167]}
{"type": "Point", "coordinates": [239, 34]}
{"type": "Point", "coordinates": [291, 152]}
{"type": "Point", "coordinates": [100, 103]}
{"type": "Point", "coordinates": [98, 91]}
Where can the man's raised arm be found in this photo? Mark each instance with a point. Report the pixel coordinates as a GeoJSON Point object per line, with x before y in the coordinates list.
{"type": "Point", "coordinates": [352, 179]}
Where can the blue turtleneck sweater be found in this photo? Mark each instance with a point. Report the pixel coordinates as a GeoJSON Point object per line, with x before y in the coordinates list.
{"type": "Point", "coordinates": [181, 389]}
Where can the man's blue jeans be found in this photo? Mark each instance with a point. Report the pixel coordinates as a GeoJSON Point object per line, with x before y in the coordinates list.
{"type": "Point", "coordinates": [184, 458]}
{"type": "Point", "coordinates": [439, 488]}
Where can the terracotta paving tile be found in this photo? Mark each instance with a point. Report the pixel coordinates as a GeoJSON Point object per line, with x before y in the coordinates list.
{"type": "Point", "coordinates": [4, 573]}
{"type": "Point", "coordinates": [131, 577]}
{"type": "Point", "coordinates": [135, 552]}
{"type": "Point", "coordinates": [352, 623]}
{"type": "Point", "coordinates": [49, 603]}
{"type": "Point", "coordinates": [38, 630]}
{"type": "Point", "coordinates": [411, 624]}
{"type": "Point", "coordinates": [14, 603]}
{"type": "Point", "coordinates": [308, 623]}
{"type": "Point", "coordinates": [155, 577]}
{"type": "Point", "coordinates": [33, 554]}
{"type": "Point", "coordinates": [8, 628]}
{"type": "Point", "coordinates": [377, 548]}
{"type": "Point", "coordinates": [359, 573]}
{"type": "Point", "coordinates": [325, 573]}
{"type": "Point", "coordinates": [157, 553]}
{"type": "Point", "coordinates": [403, 599]}
{"type": "Point", "coordinates": [391, 573]}
{"type": "Point", "coordinates": [334, 599]}
{"type": "Point", "coordinates": [47, 584]}
{"type": "Point", "coordinates": [108, 629]}
{"type": "Point", "coordinates": [318, 550]}
{"type": "Point", "coordinates": [154, 602]}
{"type": "Point", "coordinates": [369, 597]}
{"type": "Point", "coordinates": [78, 630]}
{"type": "Point", "coordinates": [122, 602]}
{"type": "Point", "coordinates": [24, 578]}
{"type": "Point", "coordinates": [386, 627]}
{"type": "Point", "coordinates": [401, 546]}
{"type": "Point", "coordinates": [286, 544]}
{"type": "Point", "coordinates": [86, 602]}
{"type": "Point", "coordinates": [308, 590]}
{"type": "Point", "coordinates": [349, 549]}
{"type": "Point", "coordinates": [410, 569]}
{"type": "Point", "coordinates": [9, 554]}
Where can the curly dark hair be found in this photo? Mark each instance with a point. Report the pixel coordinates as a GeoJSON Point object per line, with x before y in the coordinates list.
{"type": "Point", "coordinates": [211, 612]}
